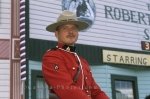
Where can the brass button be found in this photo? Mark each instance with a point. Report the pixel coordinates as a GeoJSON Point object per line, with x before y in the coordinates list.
{"type": "Point", "coordinates": [73, 68]}
{"type": "Point", "coordinates": [86, 78]}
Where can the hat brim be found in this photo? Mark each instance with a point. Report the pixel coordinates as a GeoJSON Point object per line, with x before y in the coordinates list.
{"type": "Point", "coordinates": [81, 25]}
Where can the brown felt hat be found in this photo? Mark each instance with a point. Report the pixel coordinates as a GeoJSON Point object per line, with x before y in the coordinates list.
{"type": "Point", "coordinates": [65, 18]}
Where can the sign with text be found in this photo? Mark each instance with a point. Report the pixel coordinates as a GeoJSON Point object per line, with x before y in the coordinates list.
{"type": "Point", "coordinates": [115, 23]}
{"type": "Point", "coordinates": [128, 58]}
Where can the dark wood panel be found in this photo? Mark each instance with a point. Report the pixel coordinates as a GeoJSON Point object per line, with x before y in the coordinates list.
{"type": "Point", "coordinates": [36, 49]}
{"type": "Point", "coordinates": [4, 49]}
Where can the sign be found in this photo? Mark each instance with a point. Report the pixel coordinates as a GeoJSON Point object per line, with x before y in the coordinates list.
{"type": "Point", "coordinates": [115, 24]}
{"type": "Point", "coordinates": [84, 9]}
{"type": "Point", "coordinates": [128, 58]}
{"type": "Point", "coordinates": [145, 45]}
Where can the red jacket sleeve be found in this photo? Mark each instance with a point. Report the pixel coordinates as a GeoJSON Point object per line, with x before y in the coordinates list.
{"type": "Point", "coordinates": [96, 92]}
{"type": "Point", "coordinates": [57, 76]}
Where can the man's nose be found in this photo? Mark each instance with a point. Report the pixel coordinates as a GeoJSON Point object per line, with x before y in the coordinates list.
{"type": "Point", "coordinates": [71, 31]}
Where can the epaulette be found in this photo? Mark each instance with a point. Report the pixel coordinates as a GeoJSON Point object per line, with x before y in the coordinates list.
{"type": "Point", "coordinates": [53, 49]}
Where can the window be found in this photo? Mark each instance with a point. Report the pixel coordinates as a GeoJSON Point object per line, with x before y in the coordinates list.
{"type": "Point", "coordinates": [39, 87]}
{"type": "Point", "coordinates": [124, 87]}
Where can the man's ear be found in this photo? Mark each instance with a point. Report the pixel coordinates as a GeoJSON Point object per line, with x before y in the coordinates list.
{"type": "Point", "coordinates": [56, 34]}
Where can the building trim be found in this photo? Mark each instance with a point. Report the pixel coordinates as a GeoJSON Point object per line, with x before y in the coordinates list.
{"type": "Point", "coordinates": [125, 78]}
{"type": "Point", "coordinates": [27, 7]}
{"type": "Point", "coordinates": [34, 75]}
{"type": "Point", "coordinates": [38, 47]}
{"type": "Point", "coordinates": [15, 85]}
{"type": "Point", "coordinates": [15, 82]}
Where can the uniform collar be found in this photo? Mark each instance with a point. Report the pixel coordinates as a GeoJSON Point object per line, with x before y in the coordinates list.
{"type": "Point", "coordinates": [66, 47]}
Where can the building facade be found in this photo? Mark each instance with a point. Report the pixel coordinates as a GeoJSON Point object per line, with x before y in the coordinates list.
{"type": "Point", "coordinates": [117, 46]}
{"type": "Point", "coordinates": [10, 83]}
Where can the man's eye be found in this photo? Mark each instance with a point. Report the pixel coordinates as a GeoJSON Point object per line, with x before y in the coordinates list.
{"type": "Point", "coordinates": [64, 28]}
{"type": "Point", "coordinates": [75, 29]}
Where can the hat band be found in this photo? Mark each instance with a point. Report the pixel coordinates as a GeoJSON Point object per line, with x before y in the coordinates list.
{"type": "Point", "coordinates": [68, 20]}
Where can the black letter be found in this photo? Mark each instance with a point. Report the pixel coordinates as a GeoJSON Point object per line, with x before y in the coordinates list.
{"type": "Point", "coordinates": [117, 11]}
{"type": "Point", "coordinates": [148, 15]}
{"type": "Point", "coordinates": [115, 57]}
{"type": "Point", "coordinates": [127, 59]}
{"type": "Point", "coordinates": [108, 11]}
{"type": "Point", "coordinates": [121, 59]}
{"type": "Point", "coordinates": [133, 17]}
{"type": "Point", "coordinates": [141, 17]}
{"type": "Point", "coordinates": [146, 34]}
{"type": "Point", "coordinates": [145, 61]}
{"type": "Point", "coordinates": [132, 60]}
{"type": "Point", "coordinates": [148, 5]}
{"type": "Point", "coordinates": [126, 16]}
{"type": "Point", "coordinates": [108, 57]}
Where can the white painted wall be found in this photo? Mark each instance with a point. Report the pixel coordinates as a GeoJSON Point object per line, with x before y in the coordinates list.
{"type": "Point", "coordinates": [5, 19]}
{"type": "Point", "coordinates": [105, 32]}
{"type": "Point", "coordinates": [5, 30]}
{"type": "Point", "coordinates": [4, 79]}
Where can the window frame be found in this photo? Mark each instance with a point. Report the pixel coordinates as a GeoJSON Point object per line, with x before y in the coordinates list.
{"type": "Point", "coordinates": [34, 75]}
{"type": "Point", "coordinates": [133, 79]}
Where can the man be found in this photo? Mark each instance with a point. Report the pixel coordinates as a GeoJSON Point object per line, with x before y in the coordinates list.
{"type": "Point", "coordinates": [68, 75]}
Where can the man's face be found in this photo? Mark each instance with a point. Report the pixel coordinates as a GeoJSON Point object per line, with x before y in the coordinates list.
{"type": "Point", "coordinates": [67, 34]}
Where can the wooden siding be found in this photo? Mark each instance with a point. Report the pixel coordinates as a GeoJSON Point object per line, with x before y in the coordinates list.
{"type": "Point", "coordinates": [15, 80]}
{"type": "Point", "coordinates": [105, 32]}
{"type": "Point", "coordinates": [144, 82]}
{"type": "Point", "coordinates": [4, 79]}
{"type": "Point", "coordinates": [102, 75]}
{"type": "Point", "coordinates": [5, 22]}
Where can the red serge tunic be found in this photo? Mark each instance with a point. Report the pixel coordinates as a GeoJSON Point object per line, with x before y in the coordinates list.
{"type": "Point", "coordinates": [59, 67]}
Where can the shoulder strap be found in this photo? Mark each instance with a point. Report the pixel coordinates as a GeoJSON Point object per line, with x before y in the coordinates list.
{"type": "Point", "coordinates": [76, 76]}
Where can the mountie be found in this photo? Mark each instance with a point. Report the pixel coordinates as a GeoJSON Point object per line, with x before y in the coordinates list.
{"type": "Point", "coordinates": [127, 15]}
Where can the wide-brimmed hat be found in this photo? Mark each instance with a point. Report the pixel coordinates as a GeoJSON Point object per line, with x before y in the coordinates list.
{"type": "Point", "coordinates": [67, 17]}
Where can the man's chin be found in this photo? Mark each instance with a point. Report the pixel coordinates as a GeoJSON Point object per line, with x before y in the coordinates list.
{"type": "Point", "coordinates": [70, 43]}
